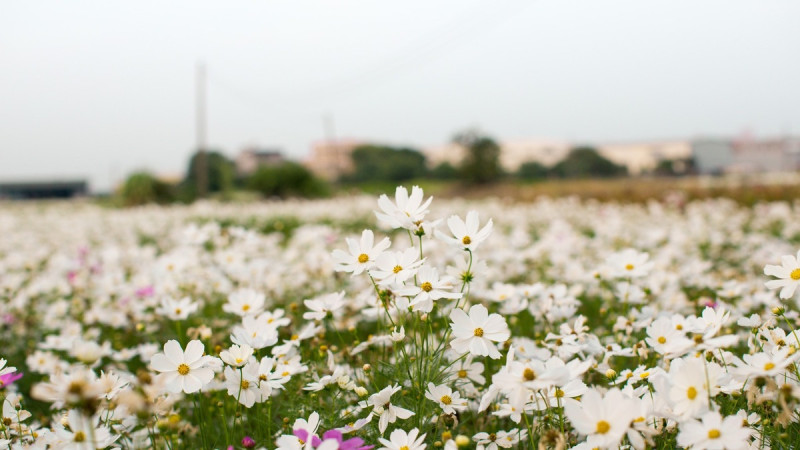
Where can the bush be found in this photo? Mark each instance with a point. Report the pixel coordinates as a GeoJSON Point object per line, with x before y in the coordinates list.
{"type": "Point", "coordinates": [585, 162]}
{"type": "Point", "coordinates": [382, 163]}
{"type": "Point", "coordinates": [532, 170]}
{"type": "Point", "coordinates": [142, 187]}
{"type": "Point", "coordinates": [286, 180]}
{"type": "Point", "coordinates": [221, 173]}
{"type": "Point", "coordinates": [481, 163]}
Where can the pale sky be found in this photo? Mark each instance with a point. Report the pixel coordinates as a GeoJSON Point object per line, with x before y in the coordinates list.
{"type": "Point", "coordinates": [98, 89]}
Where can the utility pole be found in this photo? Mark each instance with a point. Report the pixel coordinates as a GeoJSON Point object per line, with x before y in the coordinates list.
{"type": "Point", "coordinates": [201, 161]}
{"type": "Point", "coordinates": [330, 137]}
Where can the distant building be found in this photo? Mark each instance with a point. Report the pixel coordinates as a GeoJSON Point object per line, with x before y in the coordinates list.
{"type": "Point", "coordinates": [712, 156]}
{"type": "Point", "coordinates": [330, 160]}
{"type": "Point", "coordinates": [513, 153]}
{"type": "Point", "coordinates": [249, 160]}
{"type": "Point", "coordinates": [638, 157]}
{"type": "Point", "coordinates": [765, 155]}
{"type": "Point", "coordinates": [643, 157]}
{"type": "Point", "coordinates": [29, 190]}
{"type": "Point", "coordinates": [746, 155]}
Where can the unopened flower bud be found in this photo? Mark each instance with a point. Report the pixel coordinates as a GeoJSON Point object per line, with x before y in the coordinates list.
{"type": "Point", "coordinates": [361, 391]}
{"type": "Point", "coordinates": [462, 441]}
{"type": "Point", "coordinates": [611, 374]}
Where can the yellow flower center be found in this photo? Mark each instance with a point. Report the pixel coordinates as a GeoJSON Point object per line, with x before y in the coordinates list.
{"type": "Point", "coordinates": [559, 393]}
{"type": "Point", "coordinates": [713, 433]}
{"type": "Point", "coordinates": [362, 258]}
{"type": "Point", "coordinates": [405, 447]}
{"type": "Point", "coordinates": [678, 327]}
{"type": "Point", "coordinates": [245, 307]}
{"type": "Point", "coordinates": [285, 374]}
{"type": "Point", "coordinates": [177, 310]}
{"type": "Point", "coordinates": [691, 393]}
{"type": "Point", "coordinates": [603, 427]}
{"type": "Point", "coordinates": [80, 436]}
{"type": "Point", "coordinates": [462, 373]}
{"type": "Point", "coordinates": [769, 366]}
{"type": "Point", "coordinates": [639, 419]}
{"type": "Point", "coordinates": [795, 275]}
{"type": "Point", "coordinates": [446, 399]}
{"type": "Point", "coordinates": [478, 332]}
{"type": "Point", "coordinates": [397, 269]}
{"type": "Point", "coordinates": [183, 369]}
{"type": "Point", "coordinates": [239, 360]}
{"type": "Point", "coordinates": [628, 266]}
{"type": "Point", "coordinates": [427, 286]}
{"type": "Point", "coordinates": [245, 384]}
{"type": "Point", "coordinates": [466, 240]}
{"type": "Point", "coordinates": [662, 340]}
{"type": "Point", "coordinates": [644, 375]}
{"type": "Point", "coordinates": [529, 374]}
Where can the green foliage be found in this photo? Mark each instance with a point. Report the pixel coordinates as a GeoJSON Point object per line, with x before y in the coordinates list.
{"type": "Point", "coordinates": [481, 163]}
{"type": "Point", "coordinates": [286, 180]}
{"type": "Point", "coordinates": [221, 173]}
{"type": "Point", "coordinates": [444, 171]}
{"type": "Point", "coordinates": [532, 170]}
{"type": "Point", "coordinates": [378, 162]}
{"type": "Point", "coordinates": [142, 187]}
{"type": "Point", "coordinates": [585, 162]}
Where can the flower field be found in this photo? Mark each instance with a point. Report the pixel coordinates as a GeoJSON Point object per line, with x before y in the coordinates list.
{"type": "Point", "coordinates": [400, 323]}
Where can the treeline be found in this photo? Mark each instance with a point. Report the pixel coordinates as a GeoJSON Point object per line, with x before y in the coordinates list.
{"type": "Point", "coordinates": [283, 180]}
{"type": "Point", "coordinates": [479, 163]}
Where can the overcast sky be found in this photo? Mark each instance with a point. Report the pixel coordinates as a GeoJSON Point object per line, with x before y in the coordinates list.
{"type": "Point", "coordinates": [101, 88]}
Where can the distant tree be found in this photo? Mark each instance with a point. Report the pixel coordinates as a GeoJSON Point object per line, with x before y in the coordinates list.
{"type": "Point", "coordinates": [584, 162]}
{"type": "Point", "coordinates": [444, 171]}
{"type": "Point", "coordinates": [142, 187]}
{"type": "Point", "coordinates": [288, 179]}
{"type": "Point", "coordinates": [384, 163]}
{"type": "Point", "coordinates": [481, 163]}
{"type": "Point", "coordinates": [221, 173]}
{"type": "Point", "coordinates": [532, 170]}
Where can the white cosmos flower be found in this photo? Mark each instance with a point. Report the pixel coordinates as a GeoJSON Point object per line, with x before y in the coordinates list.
{"type": "Point", "coordinates": [689, 380]}
{"type": "Point", "coordinates": [363, 253]}
{"type": "Point", "coordinates": [323, 306]}
{"type": "Point", "coordinates": [714, 432]}
{"type": "Point", "coordinates": [407, 211]}
{"type": "Point", "coordinates": [6, 370]}
{"type": "Point", "coordinates": [448, 400]}
{"type": "Point", "coordinates": [177, 309]}
{"type": "Point", "coordinates": [383, 407]}
{"type": "Point", "coordinates": [430, 288]}
{"type": "Point", "coordinates": [236, 356]}
{"type": "Point", "coordinates": [788, 274]}
{"type": "Point", "coordinates": [254, 332]}
{"type": "Point", "coordinates": [400, 440]}
{"type": "Point", "coordinates": [84, 433]}
{"type": "Point", "coordinates": [243, 385]}
{"type": "Point", "coordinates": [397, 267]}
{"type": "Point", "coordinates": [603, 418]}
{"type": "Point", "coordinates": [183, 371]}
{"type": "Point", "coordinates": [476, 332]}
{"type": "Point", "coordinates": [244, 302]}
{"type": "Point", "coordinates": [629, 263]}
{"type": "Point", "coordinates": [466, 234]}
